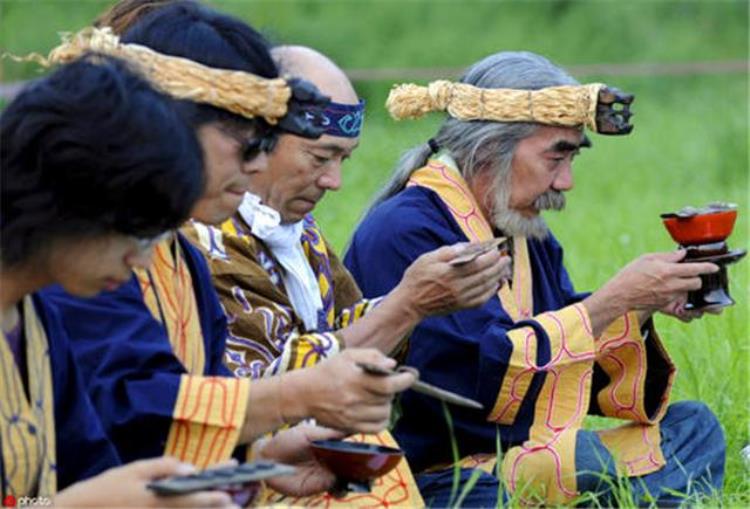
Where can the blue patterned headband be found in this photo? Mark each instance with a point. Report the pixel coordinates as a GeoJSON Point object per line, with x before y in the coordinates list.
{"type": "Point", "coordinates": [344, 120]}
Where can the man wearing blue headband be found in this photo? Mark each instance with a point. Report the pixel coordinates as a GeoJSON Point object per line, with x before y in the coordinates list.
{"type": "Point", "coordinates": [289, 300]}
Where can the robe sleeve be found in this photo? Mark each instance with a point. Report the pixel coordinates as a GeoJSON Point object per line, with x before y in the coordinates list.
{"type": "Point", "coordinates": [147, 402]}
{"type": "Point", "coordinates": [265, 336]}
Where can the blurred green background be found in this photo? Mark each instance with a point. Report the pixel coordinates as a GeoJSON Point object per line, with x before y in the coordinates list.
{"type": "Point", "coordinates": [689, 146]}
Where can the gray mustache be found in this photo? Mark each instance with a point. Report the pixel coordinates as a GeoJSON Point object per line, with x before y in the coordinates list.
{"type": "Point", "coordinates": [550, 200]}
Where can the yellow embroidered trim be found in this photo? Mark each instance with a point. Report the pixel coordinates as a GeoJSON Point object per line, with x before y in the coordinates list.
{"type": "Point", "coordinates": [521, 369]}
{"type": "Point", "coordinates": [448, 183]}
{"type": "Point", "coordinates": [621, 352]}
{"type": "Point", "coordinates": [545, 464]}
{"type": "Point", "coordinates": [636, 447]}
{"type": "Point", "coordinates": [228, 227]}
{"type": "Point", "coordinates": [207, 419]}
{"type": "Point", "coordinates": [351, 314]}
{"type": "Point", "coordinates": [306, 350]}
{"type": "Point", "coordinates": [27, 430]}
{"type": "Point", "coordinates": [168, 293]}
{"type": "Point", "coordinates": [519, 298]}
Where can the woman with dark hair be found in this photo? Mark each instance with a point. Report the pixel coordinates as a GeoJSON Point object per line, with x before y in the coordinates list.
{"type": "Point", "coordinates": [152, 351]}
{"type": "Point", "coordinates": [96, 165]}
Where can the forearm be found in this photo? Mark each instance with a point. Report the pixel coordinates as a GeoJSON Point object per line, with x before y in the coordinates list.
{"type": "Point", "coordinates": [274, 402]}
{"type": "Point", "coordinates": [605, 306]}
{"type": "Point", "coordinates": [385, 326]}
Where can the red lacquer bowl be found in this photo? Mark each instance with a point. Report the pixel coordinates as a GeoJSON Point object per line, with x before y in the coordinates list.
{"type": "Point", "coordinates": [356, 461]}
{"type": "Point", "coordinates": [703, 228]}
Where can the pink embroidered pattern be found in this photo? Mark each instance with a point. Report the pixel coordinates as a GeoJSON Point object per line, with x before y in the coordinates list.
{"type": "Point", "coordinates": [547, 459]}
{"type": "Point", "coordinates": [546, 462]}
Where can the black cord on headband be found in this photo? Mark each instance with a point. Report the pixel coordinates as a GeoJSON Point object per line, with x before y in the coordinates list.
{"type": "Point", "coordinates": [434, 147]}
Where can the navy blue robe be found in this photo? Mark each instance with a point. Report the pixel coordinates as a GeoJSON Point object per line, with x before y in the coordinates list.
{"type": "Point", "coordinates": [83, 449]}
{"type": "Point", "coordinates": [127, 361]}
{"type": "Point", "coordinates": [467, 351]}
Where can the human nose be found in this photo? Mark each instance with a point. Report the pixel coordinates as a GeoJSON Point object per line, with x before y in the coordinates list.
{"type": "Point", "coordinates": [564, 178]}
{"type": "Point", "coordinates": [331, 179]}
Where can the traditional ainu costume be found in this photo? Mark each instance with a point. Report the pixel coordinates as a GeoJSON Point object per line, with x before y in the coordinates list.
{"type": "Point", "coordinates": [267, 336]}
{"type": "Point", "coordinates": [269, 332]}
{"type": "Point", "coordinates": [530, 357]}
{"type": "Point", "coordinates": [151, 353]}
{"type": "Point", "coordinates": [50, 435]}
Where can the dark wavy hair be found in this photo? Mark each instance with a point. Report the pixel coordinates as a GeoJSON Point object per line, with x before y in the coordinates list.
{"type": "Point", "coordinates": [189, 30]}
{"type": "Point", "coordinates": [125, 13]}
{"type": "Point", "coordinates": [93, 149]}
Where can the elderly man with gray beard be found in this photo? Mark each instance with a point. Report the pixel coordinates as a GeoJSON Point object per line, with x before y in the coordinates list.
{"type": "Point", "coordinates": [540, 356]}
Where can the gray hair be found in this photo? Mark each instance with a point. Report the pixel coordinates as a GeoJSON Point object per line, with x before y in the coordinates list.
{"type": "Point", "coordinates": [482, 145]}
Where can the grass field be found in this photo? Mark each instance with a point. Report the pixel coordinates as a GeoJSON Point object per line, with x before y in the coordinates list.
{"type": "Point", "coordinates": [690, 144]}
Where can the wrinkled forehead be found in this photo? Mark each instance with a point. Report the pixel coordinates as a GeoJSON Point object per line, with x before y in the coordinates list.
{"type": "Point", "coordinates": [334, 144]}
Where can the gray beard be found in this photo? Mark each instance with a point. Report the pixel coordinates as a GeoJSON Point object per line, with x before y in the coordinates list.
{"type": "Point", "coordinates": [513, 224]}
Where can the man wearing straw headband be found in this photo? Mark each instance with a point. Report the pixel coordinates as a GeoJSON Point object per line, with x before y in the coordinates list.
{"type": "Point", "coordinates": [152, 350]}
{"type": "Point", "coordinates": [540, 356]}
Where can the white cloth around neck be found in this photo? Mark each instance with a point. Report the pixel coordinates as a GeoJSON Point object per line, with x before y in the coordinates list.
{"type": "Point", "coordinates": [284, 241]}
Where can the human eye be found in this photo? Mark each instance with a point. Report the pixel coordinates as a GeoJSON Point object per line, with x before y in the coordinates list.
{"type": "Point", "coordinates": [320, 159]}
{"type": "Point", "coordinates": [556, 159]}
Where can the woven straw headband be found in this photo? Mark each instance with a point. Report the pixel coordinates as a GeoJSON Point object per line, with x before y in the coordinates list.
{"type": "Point", "coordinates": [239, 92]}
{"type": "Point", "coordinates": [570, 105]}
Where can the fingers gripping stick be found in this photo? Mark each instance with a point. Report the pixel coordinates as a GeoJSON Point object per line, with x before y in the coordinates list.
{"type": "Point", "coordinates": [477, 249]}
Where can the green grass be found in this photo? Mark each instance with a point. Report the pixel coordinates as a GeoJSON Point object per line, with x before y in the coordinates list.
{"type": "Point", "coordinates": [690, 144]}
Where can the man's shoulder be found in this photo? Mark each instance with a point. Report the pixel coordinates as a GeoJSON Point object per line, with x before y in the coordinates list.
{"type": "Point", "coordinates": [56, 297]}
{"type": "Point", "coordinates": [410, 223]}
{"type": "Point", "coordinates": [222, 245]}
{"type": "Point", "coordinates": [414, 207]}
